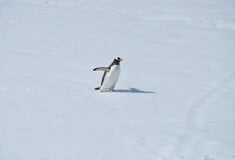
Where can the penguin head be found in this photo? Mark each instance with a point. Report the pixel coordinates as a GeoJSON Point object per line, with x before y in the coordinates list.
{"type": "Point", "coordinates": [117, 60]}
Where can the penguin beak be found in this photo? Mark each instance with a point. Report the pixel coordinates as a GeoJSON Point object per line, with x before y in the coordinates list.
{"type": "Point", "coordinates": [121, 59]}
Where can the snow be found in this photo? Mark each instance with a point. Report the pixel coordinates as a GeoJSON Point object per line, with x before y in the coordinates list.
{"type": "Point", "coordinates": [174, 99]}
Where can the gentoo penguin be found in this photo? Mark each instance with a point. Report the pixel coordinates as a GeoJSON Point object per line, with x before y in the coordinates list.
{"type": "Point", "coordinates": [110, 76]}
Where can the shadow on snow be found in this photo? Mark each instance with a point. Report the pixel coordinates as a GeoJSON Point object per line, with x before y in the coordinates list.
{"type": "Point", "coordinates": [132, 90]}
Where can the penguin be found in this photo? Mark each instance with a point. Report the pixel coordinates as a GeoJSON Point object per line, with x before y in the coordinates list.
{"type": "Point", "coordinates": [110, 76]}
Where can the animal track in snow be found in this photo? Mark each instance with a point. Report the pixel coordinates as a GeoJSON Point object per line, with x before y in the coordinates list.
{"type": "Point", "coordinates": [195, 116]}
{"type": "Point", "coordinates": [201, 21]}
{"type": "Point", "coordinates": [79, 4]}
{"type": "Point", "coordinates": [10, 21]}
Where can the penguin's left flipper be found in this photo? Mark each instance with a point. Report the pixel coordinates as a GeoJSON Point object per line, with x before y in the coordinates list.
{"type": "Point", "coordinates": [101, 69]}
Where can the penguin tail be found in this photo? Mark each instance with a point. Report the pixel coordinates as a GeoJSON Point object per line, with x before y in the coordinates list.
{"type": "Point", "coordinates": [97, 88]}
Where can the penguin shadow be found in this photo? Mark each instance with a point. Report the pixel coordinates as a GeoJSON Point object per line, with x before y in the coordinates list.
{"type": "Point", "coordinates": [133, 90]}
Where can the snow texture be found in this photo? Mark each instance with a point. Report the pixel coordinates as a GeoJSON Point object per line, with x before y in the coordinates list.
{"type": "Point", "coordinates": [174, 100]}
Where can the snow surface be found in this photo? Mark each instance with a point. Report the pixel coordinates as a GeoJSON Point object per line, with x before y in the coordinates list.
{"type": "Point", "coordinates": [174, 100]}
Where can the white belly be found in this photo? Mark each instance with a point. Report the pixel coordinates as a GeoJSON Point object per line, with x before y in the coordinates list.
{"type": "Point", "coordinates": [111, 79]}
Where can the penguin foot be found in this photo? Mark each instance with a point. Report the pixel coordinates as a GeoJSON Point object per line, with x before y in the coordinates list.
{"type": "Point", "coordinates": [106, 90]}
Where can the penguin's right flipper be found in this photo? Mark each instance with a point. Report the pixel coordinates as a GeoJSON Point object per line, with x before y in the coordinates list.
{"type": "Point", "coordinates": [97, 88]}
{"type": "Point", "coordinates": [101, 69]}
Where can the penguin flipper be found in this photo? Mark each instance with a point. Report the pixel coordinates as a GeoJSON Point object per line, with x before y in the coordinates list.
{"type": "Point", "coordinates": [101, 69]}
